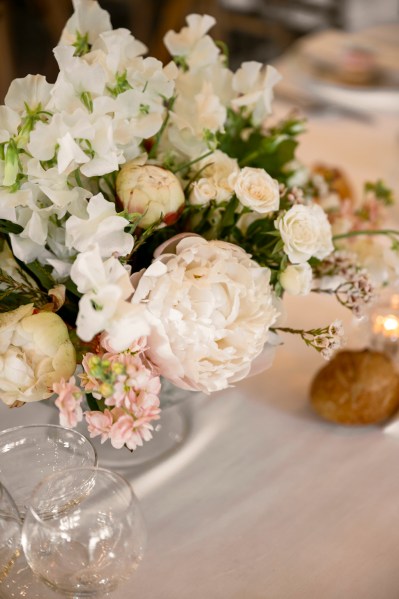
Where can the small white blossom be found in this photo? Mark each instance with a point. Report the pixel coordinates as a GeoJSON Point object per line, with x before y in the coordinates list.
{"type": "Point", "coordinates": [102, 226]}
{"type": "Point", "coordinates": [106, 288]}
{"type": "Point", "coordinates": [254, 84]}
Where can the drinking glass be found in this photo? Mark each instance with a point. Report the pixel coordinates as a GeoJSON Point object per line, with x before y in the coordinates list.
{"type": "Point", "coordinates": [83, 531]}
{"type": "Point", "coordinates": [30, 453]}
{"type": "Point", "coordinates": [10, 533]}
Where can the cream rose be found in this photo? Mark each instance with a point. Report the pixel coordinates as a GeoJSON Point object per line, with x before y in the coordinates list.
{"type": "Point", "coordinates": [296, 279]}
{"type": "Point", "coordinates": [220, 171]}
{"type": "Point", "coordinates": [257, 190]}
{"type": "Point", "coordinates": [151, 191]}
{"type": "Point", "coordinates": [306, 232]}
{"type": "Point", "coordinates": [211, 308]}
{"type": "Point", "coordinates": [35, 352]}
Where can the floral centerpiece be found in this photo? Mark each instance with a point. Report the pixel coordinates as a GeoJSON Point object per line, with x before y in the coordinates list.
{"type": "Point", "coordinates": [151, 219]}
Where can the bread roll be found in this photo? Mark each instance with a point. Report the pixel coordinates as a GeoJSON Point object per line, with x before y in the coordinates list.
{"type": "Point", "coordinates": [356, 387]}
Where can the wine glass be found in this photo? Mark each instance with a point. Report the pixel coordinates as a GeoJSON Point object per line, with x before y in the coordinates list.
{"type": "Point", "coordinates": [30, 453]}
{"type": "Point", "coordinates": [10, 533]}
{"type": "Point", "coordinates": [83, 531]}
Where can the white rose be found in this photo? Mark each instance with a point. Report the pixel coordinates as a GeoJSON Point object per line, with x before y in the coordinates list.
{"type": "Point", "coordinates": [150, 190]}
{"type": "Point", "coordinates": [35, 352]}
{"type": "Point", "coordinates": [306, 232]}
{"type": "Point", "coordinates": [211, 307]}
{"type": "Point", "coordinates": [257, 190]}
{"type": "Point", "coordinates": [202, 192]}
{"type": "Point", "coordinates": [296, 279]}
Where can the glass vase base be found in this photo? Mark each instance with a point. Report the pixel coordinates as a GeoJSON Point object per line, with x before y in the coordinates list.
{"type": "Point", "coordinates": [169, 435]}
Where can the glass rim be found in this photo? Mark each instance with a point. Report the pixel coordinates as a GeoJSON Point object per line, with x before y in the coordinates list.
{"type": "Point", "coordinates": [95, 469]}
{"type": "Point", "coordinates": [53, 426]}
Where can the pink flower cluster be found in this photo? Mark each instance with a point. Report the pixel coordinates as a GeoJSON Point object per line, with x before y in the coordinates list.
{"type": "Point", "coordinates": [126, 390]}
{"type": "Point", "coordinates": [125, 383]}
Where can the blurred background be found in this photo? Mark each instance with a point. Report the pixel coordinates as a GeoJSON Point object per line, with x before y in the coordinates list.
{"type": "Point", "coordinates": [254, 29]}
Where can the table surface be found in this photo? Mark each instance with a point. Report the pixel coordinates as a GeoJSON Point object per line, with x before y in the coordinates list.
{"type": "Point", "coordinates": [263, 500]}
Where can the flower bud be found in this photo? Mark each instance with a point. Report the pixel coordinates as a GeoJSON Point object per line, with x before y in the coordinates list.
{"type": "Point", "coordinates": [150, 190]}
{"type": "Point", "coordinates": [296, 279]}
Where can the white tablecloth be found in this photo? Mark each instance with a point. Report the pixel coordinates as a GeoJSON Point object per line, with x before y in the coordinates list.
{"type": "Point", "coordinates": [264, 500]}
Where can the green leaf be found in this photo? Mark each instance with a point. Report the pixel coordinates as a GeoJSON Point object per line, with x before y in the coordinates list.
{"type": "Point", "coordinates": [229, 216]}
{"type": "Point", "coordinates": [70, 286]}
{"type": "Point", "coordinates": [41, 273]}
{"type": "Point", "coordinates": [8, 227]}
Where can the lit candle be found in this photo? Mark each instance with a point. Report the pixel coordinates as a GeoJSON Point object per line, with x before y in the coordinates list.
{"type": "Point", "coordinates": [386, 325]}
{"type": "Point", "coordinates": [384, 329]}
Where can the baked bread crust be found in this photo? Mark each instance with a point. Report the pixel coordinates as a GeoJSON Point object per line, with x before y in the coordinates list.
{"type": "Point", "coordinates": [356, 387]}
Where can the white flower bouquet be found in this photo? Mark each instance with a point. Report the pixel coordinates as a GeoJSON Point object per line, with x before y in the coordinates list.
{"type": "Point", "coordinates": [150, 221]}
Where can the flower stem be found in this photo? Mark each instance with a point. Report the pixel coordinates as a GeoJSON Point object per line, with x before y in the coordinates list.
{"type": "Point", "coordinates": [188, 164]}
{"type": "Point", "coordinates": [366, 232]}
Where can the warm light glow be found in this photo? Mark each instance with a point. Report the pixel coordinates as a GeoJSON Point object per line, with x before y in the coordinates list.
{"type": "Point", "coordinates": [387, 325]}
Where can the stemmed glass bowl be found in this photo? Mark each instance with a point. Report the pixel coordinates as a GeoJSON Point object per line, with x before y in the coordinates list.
{"type": "Point", "coordinates": [10, 533]}
{"type": "Point", "coordinates": [83, 531]}
{"type": "Point", "coordinates": [30, 453]}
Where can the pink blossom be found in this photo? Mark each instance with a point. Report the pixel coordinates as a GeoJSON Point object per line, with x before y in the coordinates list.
{"type": "Point", "coordinates": [68, 402]}
{"type": "Point", "coordinates": [88, 381]}
{"type": "Point", "coordinates": [99, 423]}
{"type": "Point", "coordinates": [138, 346]}
{"type": "Point", "coordinates": [122, 431]}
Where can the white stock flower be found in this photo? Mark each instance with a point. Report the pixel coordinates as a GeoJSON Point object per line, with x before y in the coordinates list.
{"type": "Point", "coordinates": [106, 287]}
{"type": "Point", "coordinates": [296, 279]}
{"type": "Point", "coordinates": [102, 226]}
{"type": "Point", "coordinates": [211, 308]}
{"type": "Point", "coordinates": [88, 19]}
{"type": "Point", "coordinates": [306, 232]}
{"type": "Point", "coordinates": [60, 133]}
{"type": "Point", "coordinates": [35, 352]}
{"type": "Point", "coordinates": [195, 113]}
{"type": "Point", "coordinates": [31, 91]}
{"type": "Point", "coordinates": [254, 84]}
{"type": "Point", "coordinates": [119, 48]}
{"type": "Point", "coordinates": [151, 191]}
{"type": "Point", "coordinates": [257, 190]}
{"type": "Point", "coordinates": [192, 43]}
{"type": "Point", "coordinates": [9, 122]}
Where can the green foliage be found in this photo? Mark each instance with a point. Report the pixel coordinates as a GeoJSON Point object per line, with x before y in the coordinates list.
{"type": "Point", "coordinates": [8, 227]}
{"type": "Point", "coordinates": [41, 274]}
{"type": "Point", "coordinates": [270, 150]}
{"type": "Point", "coordinates": [14, 293]}
{"type": "Point", "coordinates": [382, 193]}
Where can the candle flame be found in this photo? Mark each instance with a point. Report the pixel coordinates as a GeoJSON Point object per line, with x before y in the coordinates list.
{"type": "Point", "coordinates": [387, 325]}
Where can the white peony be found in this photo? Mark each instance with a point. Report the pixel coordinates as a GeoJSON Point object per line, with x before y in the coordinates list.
{"type": "Point", "coordinates": [211, 307]}
{"type": "Point", "coordinates": [296, 279]}
{"type": "Point", "coordinates": [35, 352]}
{"type": "Point", "coordinates": [257, 190]}
{"type": "Point", "coordinates": [151, 191]}
{"type": "Point", "coordinates": [306, 232]}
